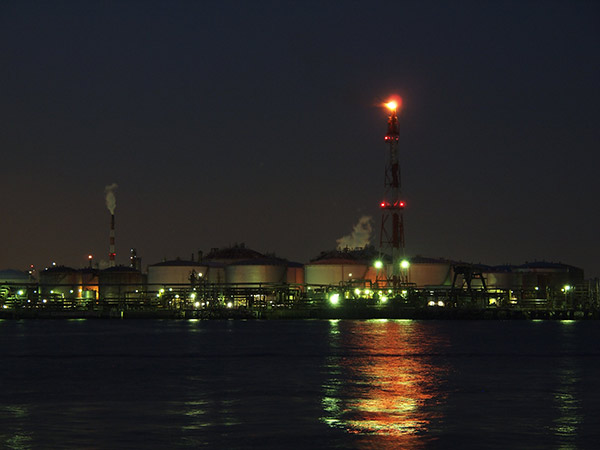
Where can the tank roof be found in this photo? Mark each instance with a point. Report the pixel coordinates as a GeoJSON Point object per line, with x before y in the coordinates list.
{"type": "Point", "coordinates": [238, 251]}
{"type": "Point", "coordinates": [338, 261]}
{"type": "Point", "coordinates": [177, 262]}
{"type": "Point", "coordinates": [418, 259]}
{"type": "Point", "coordinates": [13, 274]}
{"type": "Point", "coordinates": [266, 261]}
{"type": "Point", "coordinates": [358, 254]}
{"type": "Point", "coordinates": [504, 268]}
{"type": "Point", "coordinates": [122, 269]}
{"type": "Point", "coordinates": [59, 269]}
{"type": "Point", "coordinates": [546, 265]}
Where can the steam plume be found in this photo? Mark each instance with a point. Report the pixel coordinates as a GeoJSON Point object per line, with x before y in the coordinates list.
{"type": "Point", "coordinates": [360, 236]}
{"type": "Point", "coordinates": [111, 200]}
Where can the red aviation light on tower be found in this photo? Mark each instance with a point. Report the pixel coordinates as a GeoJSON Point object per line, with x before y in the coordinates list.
{"type": "Point", "coordinates": [400, 204]}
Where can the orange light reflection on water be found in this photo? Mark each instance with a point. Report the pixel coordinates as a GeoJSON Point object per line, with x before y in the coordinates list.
{"type": "Point", "coordinates": [382, 379]}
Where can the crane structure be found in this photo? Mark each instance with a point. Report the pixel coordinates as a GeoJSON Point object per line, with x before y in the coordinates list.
{"type": "Point", "coordinates": [391, 237]}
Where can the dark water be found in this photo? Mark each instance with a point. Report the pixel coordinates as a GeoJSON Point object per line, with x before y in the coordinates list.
{"type": "Point", "coordinates": [299, 384]}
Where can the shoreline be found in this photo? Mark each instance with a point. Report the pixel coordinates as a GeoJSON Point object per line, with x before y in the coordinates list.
{"type": "Point", "coordinates": [400, 313]}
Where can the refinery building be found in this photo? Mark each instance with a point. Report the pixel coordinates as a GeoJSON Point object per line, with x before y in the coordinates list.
{"type": "Point", "coordinates": [240, 277]}
{"type": "Point", "coordinates": [354, 275]}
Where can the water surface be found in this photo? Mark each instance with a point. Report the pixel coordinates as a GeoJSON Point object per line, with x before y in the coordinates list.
{"type": "Point", "coordinates": [299, 384]}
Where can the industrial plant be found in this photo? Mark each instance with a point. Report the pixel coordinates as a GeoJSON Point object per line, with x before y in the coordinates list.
{"type": "Point", "coordinates": [354, 280]}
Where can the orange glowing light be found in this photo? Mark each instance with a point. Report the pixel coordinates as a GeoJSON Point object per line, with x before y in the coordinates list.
{"type": "Point", "coordinates": [394, 403]}
{"type": "Point", "coordinates": [394, 104]}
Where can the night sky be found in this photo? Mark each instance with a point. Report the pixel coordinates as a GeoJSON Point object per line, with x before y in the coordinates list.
{"type": "Point", "coordinates": [260, 122]}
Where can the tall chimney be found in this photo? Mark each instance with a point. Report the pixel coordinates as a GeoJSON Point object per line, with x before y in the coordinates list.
{"type": "Point", "coordinates": [111, 250]}
{"type": "Point", "coordinates": [111, 204]}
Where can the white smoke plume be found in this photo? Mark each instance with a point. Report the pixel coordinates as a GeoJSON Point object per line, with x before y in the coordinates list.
{"type": "Point", "coordinates": [111, 200]}
{"type": "Point", "coordinates": [360, 236]}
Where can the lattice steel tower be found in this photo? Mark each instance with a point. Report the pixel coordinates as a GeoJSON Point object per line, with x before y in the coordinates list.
{"type": "Point", "coordinates": [391, 237]}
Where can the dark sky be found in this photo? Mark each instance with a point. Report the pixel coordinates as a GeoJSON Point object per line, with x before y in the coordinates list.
{"type": "Point", "coordinates": [259, 122]}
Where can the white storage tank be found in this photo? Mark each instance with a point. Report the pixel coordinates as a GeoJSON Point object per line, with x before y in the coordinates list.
{"type": "Point", "coordinates": [174, 273]}
{"type": "Point", "coordinates": [257, 271]}
{"type": "Point", "coordinates": [179, 272]}
{"type": "Point", "coordinates": [430, 272]}
{"type": "Point", "coordinates": [334, 271]}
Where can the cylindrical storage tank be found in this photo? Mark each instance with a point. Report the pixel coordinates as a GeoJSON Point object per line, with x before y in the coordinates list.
{"type": "Point", "coordinates": [544, 275]}
{"type": "Point", "coordinates": [121, 284]}
{"type": "Point", "coordinates": [182, 274]}
{"type": "Point", "coordinates": [334, 271]}
{"type": "Point", "coordinates": [9, 276]}
{"type": "Point", "coordinates": [257, 271]}
{"type": "Point", "coordinates": [59, 283]}
{"type": "Point", "coordinates": [15, 285]}
{"type": "Point", "coordinates": [215, 272]}
{"type": "Point", "coordinates": [429, 272]}
{"type": "Point", "coordinates": [89, 294]}
{"type": "Point", "coordinates": [175, 274]}
{"type": "Point", "coordinates": [503, 279]}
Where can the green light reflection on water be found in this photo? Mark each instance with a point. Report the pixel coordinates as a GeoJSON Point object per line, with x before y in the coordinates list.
{"type": "Point", "coordinates": [567, 397]}
{"type": "Point", "coordinates": [195, 412]}
{"type": "Point", "coordinates": [334, 326]}
{"type": "Point", "coordinates": [16, 437]}
{"type": "Point", "coordinates": [19, 442]}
